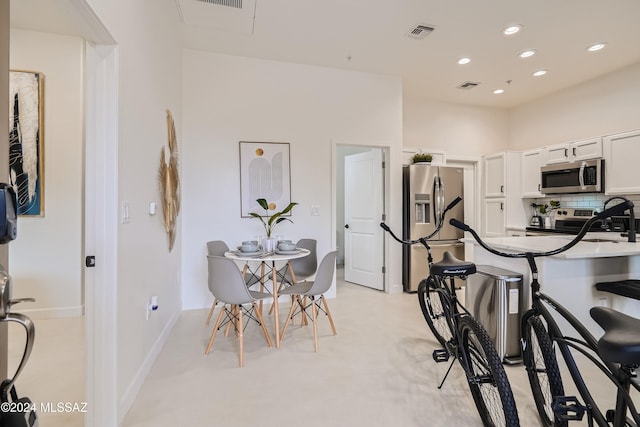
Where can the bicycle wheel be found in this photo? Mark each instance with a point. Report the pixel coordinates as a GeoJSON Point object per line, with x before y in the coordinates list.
{"type": "Point", "coordinates": [435, 309]}
{"type": "Point", "coordinates": [542, 368]}
{"type": "Point", "coordinates": [487, 379]}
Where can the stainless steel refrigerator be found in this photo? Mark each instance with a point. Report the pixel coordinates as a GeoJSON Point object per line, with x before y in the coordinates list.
{"type": "Point", "coordinates": [427, 190]}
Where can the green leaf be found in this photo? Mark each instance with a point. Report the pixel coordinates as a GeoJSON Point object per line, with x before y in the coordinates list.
{"type": "Point", "coordinates": [263, 203]}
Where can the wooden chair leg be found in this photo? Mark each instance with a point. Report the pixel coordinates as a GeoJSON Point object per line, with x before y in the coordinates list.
{"type": "Point", "coordinates": [326, 308]}
{"type": "Point", "coordinates": [286, 324]}
{"type": "Point", "coordinates": [215, 301]}
{"type": "Point", "coordinates": [314, 320]}
{"type": "Point", "coordinates": [241, 337]}
{"type": "Point", "coordinates": [264, 328]}
{"type": "Point", "coordinates": [215, 329]}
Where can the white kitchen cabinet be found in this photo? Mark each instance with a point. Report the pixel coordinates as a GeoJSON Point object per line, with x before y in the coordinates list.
{"type": "Point", "coordinates": [502, 203]}
{"type": "Point", "coordinates": [532, 161]}
{"type": "Point", "coordinates": [494, 217]}
{"type": "Point", "coordinates": [494, 175]}
{"type": "Point", "coordinates": [621, 153]}
{"type": "Point", "coordinates": [575, 151]}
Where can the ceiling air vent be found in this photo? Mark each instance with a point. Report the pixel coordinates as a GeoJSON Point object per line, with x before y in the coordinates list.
{"type": "Point", "coordinates": [468, 85]}
{"type": "Point", "coordinates": [230, 3]}
{"type": "Point", "coordinates": [420, 31]}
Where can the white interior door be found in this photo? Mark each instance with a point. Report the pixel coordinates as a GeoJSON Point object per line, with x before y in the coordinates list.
{"type": "Point", "coordinates": [363, 205]}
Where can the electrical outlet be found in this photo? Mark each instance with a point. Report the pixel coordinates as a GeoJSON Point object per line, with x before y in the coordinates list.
{"type": "Point", "coordinates": [315, 210]}
{"type": "Point", "coordinates": [603, 302]}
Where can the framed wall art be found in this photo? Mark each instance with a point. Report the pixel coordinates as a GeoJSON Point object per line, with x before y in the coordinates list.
{"type": "Point", "coordinates": [26, 160]}
{"type": "Point", "coordinates": [264, 173]}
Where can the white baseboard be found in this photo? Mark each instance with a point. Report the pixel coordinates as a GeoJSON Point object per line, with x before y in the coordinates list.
{"type": "Point", "coordinates": [51, 313]}
{"type": "Point", "coordinates": [136, 383]}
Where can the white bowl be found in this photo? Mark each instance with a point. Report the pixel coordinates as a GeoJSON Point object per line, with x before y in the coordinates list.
{"type": "Point", "coordinates": [249, 248]}
{"type": "Point", "coordinates": [286, 246]}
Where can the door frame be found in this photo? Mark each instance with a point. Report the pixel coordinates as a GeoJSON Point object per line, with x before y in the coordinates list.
{"type": "Point", "coordinates": [386, 149]}
{"type": "Point", "coordinates": [100, 232]}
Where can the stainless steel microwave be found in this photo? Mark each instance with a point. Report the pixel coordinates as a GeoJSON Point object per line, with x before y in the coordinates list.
{"type": "Point", "coordinates": [578, 177]}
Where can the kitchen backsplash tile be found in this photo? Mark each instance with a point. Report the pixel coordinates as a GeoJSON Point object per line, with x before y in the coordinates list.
{"type": "Point", "coordinates": [587, 201]}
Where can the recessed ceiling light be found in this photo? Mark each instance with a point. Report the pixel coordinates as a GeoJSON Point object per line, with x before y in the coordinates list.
{"type": "Point", "coordinates": [498, 91]}
{"type": "Point", "coordinates": [463, 61]}
{"type": "Point", "coordinates": [596, 47]}
{"type": "Point", "coordinates": [540, 73]}
{"type": "Point", "coordinates": [511, 30]}
{"type": "Point", "coordinates": [527, 53]}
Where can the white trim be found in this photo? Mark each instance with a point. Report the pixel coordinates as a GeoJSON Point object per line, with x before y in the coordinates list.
{"type": "Point", "coordinates": [130, 394]}
{"type": "Point", "coordinates": [101, 292]}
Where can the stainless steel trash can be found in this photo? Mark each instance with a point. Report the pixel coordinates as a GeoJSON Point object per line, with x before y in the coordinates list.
{"type": "Point", "coordinates": [495, 297]}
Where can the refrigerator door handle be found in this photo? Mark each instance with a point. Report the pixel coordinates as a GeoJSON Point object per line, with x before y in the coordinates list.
{"type": "Point", "coordinates": [439, 199]}
{"type": "Point", "coordinates": [436, 217]}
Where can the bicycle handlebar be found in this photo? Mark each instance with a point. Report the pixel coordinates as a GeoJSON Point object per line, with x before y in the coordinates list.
{"type": "Point", "coordinates": [423, 240]}
{"type": "Point", "coordinates": [615, 210]}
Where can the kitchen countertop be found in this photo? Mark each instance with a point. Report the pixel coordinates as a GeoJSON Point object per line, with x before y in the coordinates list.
{"type": "Point", "coordinates": [618, 247]}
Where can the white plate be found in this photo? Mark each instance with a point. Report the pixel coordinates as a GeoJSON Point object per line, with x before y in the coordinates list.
{"type": "Point", "coordinates": [293, 252]}
{"type": "Point", "coordinates": [247, 252]}
{"type": "Point", "coordinates": [250, 254]}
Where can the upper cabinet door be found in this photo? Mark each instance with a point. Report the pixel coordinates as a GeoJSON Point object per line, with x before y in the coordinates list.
{"type": "Point", "coordinates": [557, 154]}
{"type": "Point", "coordinates": [575, 151]}
{"type": "Point", "coordinates": [532, 161]}
{"type": "Point", "coordinates": [587, 149]}
{"type": "Point", "coordinates": [494, 173]}
{"type": "Point", "coordinates": [621, 154]}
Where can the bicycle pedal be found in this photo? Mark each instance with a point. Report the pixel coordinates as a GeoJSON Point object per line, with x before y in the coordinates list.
{"type": "Point", "coordinates": [567, 408]}
{"type": "Point", "coordinates": [610, 415]}
{"type": "Point", "coordinates": [440, 355]}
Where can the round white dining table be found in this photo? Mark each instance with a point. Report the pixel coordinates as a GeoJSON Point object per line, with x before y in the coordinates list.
{"type": "Point", "coordinates": [264, 259]}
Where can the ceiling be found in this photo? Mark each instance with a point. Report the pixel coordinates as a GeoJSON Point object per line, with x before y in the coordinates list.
{"type": "Point", "coordinates": [371, 36]}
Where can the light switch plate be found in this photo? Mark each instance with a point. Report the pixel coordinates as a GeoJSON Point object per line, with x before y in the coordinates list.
{"type": "Point", "coordinates": [315, 210]}
{"type": "Point", "coordinates": [124, 213]}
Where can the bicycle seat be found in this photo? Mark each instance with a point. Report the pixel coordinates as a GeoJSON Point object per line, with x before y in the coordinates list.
{"type": "Point", "coordinates": [626, 288]}
{"type": "Point", "coordinates": [452, 266]}
{"type": "Point", "coordinates": [621, 340]}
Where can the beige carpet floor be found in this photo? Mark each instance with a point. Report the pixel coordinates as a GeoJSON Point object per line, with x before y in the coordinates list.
{"type": "Point", "coordinates": [377, 371]}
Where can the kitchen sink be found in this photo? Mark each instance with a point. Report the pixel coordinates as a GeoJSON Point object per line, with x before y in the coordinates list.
{"type": "Point", "coordinates": [600, 240]}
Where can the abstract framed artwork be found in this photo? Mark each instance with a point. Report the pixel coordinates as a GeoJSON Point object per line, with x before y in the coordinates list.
{"type": "Point", "coordinates": [264, 173]}
{"type": "Point", "coordinates": [26, 160]}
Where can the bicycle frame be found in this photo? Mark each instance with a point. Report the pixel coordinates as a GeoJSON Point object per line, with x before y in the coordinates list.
{"type": "Point", "coordinates": [620, 378]}
{"type": "Point", "coordinates": [543, 306]}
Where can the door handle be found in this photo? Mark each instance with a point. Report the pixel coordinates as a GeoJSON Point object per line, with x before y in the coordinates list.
{"type": "Point", "coordinates": [346, 226]}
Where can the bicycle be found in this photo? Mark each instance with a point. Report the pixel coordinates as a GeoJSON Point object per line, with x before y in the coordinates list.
{"type": "Point", "coordinates": [616, 354]}
{"type": "Point", "coordinates": [462, 337]}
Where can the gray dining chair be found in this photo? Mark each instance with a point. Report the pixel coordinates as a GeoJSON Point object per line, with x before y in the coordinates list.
{"type": "Point", "coordinates": [228, 286]}
{"type": "Point", "coordinates": [315, 292]}
{"type": "Point", "coordinates": [218, 248]}
{"type": "Point", "coordinates": [304, 267]}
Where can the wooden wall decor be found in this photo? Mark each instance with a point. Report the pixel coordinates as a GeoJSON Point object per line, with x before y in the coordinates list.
{"type": "Point", "coordinates": [170, 183]}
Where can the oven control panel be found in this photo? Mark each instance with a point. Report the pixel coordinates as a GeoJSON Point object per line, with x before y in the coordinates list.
{"type": "Point", "coordinates": [581, 213]}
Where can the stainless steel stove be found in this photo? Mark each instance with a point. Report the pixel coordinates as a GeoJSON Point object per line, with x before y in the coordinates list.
{"type": "Point", "coordinates": [571, 220]}
{"type": "Point", "coordinates": [567, 221]}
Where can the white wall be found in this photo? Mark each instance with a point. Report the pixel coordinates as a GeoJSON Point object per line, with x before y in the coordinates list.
{"type": "Point", "coordinates": [229, 99]}
{"type": "Point", "coordinates": [457, 130]}
{"type": "Point", "coordinates": [46, 258]}
{"type": "Point", "coordinates": [606, 105]}
{"type": "Point", "coordinates": [150, 76]}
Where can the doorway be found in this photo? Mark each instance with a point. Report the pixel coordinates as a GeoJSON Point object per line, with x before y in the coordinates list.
{"type": "Point", "coordinates": [95, 195]}
{"type": "Point", "coordinates": [359, 239]}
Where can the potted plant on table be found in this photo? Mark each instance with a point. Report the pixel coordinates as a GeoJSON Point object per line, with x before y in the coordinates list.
{"type": "Point", "coordinates": [270, 221]}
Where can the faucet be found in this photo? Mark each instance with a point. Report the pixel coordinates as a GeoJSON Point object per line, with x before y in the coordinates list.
{"type": "Point", "coordinates": [632, 217]}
